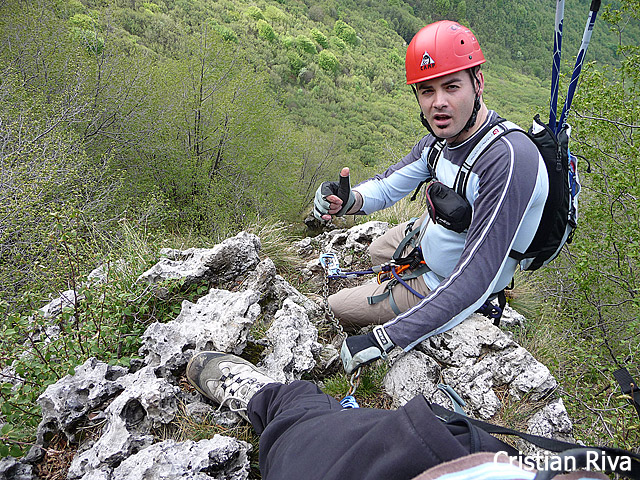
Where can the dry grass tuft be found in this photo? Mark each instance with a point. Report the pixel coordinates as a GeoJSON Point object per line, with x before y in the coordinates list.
{"type": "Point", "coordinates": [57, 460]}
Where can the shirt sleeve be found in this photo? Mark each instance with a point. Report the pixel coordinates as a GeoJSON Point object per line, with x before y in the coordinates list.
{"type": "Point", "coordinates": [383, 190]}
{"type": "Point", "coordinates": [507, 185]}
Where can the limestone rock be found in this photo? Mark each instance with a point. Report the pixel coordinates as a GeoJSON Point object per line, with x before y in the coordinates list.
{"type": "Point", "coordinates": [14, 469]}
{"type": "Point", "coordinates": [551, 421]}
{"type": "Point", "coordinates": [474, 358]}
{"type": "Point", "coordinates": [511, 318]}
{"type": "Point", "coordinates": [413, 373]}
{"type": "Point", "coordinates": [67, 402]}
{"type": "Point", "coordinates": [293, 344]}
{"type": "Point", "coordinates": [223, 263]}
{"type": "Point", "coordinates": [218, 321]}
{"type": "Point", "coordinates": [356, 238]}
{"type": "Point", "coordinates": [478, 357]}
{"type": "Point", "coordinates": [68, 298]}
{"type": "Point", "coordinates": [146, 402]}
{"type": "Point", "coordinates": [101, 273]}
{"type": "Point", "coordinates": [219, 458]}
{"type": "Point", "coordinates": [274, 289]}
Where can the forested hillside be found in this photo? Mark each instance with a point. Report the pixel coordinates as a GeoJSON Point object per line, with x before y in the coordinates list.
{"type": "Point", "coordinates": [129, 125]}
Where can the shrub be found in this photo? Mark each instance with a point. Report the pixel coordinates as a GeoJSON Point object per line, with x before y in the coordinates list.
{"type": "Point", "coordinates": [320, 38]}
{"type": "Point", "coordinates": [305, 44]}
{"type": "Point", "coordinates": [266, 31]}
{"type": "Point", "coordinates": [328, 61]}
{"type": "Point", "coordinates": [345, 32]}
{"type": "Point", "coordinates": [254, 12]}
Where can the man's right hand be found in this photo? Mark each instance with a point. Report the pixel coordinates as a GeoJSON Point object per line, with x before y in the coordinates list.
{"type": "Point", "coordinates": [334, 198]}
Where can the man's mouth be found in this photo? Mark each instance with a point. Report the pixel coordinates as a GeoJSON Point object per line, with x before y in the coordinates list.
{"type": "Point", "coordinates": [441, 119]}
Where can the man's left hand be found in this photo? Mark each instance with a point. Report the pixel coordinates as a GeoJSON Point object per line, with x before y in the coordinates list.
{"type": "Point", "coordinates": [360, 350]}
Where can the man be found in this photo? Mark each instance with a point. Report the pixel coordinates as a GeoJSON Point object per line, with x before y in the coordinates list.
{"type": "Point", "coordinates": [306, 434]}
{"type": "Point", "coordinates": [505, 191]}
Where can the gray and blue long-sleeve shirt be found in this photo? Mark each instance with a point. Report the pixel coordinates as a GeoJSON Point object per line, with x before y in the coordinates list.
{"type": "Point", "coordinates": [507, 189]}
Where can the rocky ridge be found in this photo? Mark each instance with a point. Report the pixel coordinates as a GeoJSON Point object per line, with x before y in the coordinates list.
{"type": "Point", "coordinates": [126, 407]}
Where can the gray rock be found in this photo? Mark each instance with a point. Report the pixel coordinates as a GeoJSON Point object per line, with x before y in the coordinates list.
{"type": "Point", "coordinates": [223, 263]}
{"type": "Point", "coordinates": [68, 401]}
{"type": "Point", "coordinates": [219, 458]}
{"type": "Point", "coordinates": [68, 298]}
{"type": "Point", "coordinates": [13, 469]}
{"type": "Point", "coordinates": [101, 273]}
{"type": "Point", "coordinates": [551, 421]}
{"type": "Point", "coordinates": [218, 321]}
{"type": "Point", "coordinates": [98, 474]}
{"type": "Point", "coordinates": [474, 358]}
{"type": "Point", "coordinates": [477, 357]}
{"type": "Point", "coordinates": [357, 238]}
{"type": "Point", "coordinates": [511, 318]}
{"type": "Point", "coordinates": [145, 403]}
{"type": "Point", "coordinates": [274, 289]}
{"type": "Point", "coordinates": [199, 411]}
{"type": "Point", "coordinates": [293, 344]}
{"type": "Point", "coordinates": [9, 375]}
{"type": "Point", "coordinates": [304, 247]}
{"type": "Point", "coordinates": [328, 355]}
{"type": "Point", "coordinates": [413, 373]}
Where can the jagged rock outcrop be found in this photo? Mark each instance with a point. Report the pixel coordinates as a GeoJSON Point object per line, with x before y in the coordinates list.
{"type": "Point", "coordinates": [294, 344]}
{"type": "Point", "coordinates": [123, 408]}
{"type": "Point", "coordinates": [218, 321]}
{"type": "Point", "coordinates": [67, 402]}
{"type": "Point", "coordinates": [220, 458]}
{"type": "Point", "coordinates": [223, 263]}
{"type": "Point", "coordinates": [475, 358]}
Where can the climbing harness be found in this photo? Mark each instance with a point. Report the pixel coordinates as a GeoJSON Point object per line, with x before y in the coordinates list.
{"type": "Point", "coordinates": [331, 266]}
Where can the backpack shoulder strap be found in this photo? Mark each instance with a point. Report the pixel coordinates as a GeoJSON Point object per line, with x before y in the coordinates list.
{"type": "Point", "coordinates": [432, 161]}
{"type": "Point", "coordinates": [434, 154]}
{"type": "Point", "coordinates": [493, 133]}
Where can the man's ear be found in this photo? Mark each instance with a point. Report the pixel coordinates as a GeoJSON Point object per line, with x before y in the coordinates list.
{"type": "Point", "coordinates": [480, 84]}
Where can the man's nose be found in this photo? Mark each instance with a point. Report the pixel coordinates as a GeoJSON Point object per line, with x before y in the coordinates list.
{"type": "Point", "coordinates": [439, 99]}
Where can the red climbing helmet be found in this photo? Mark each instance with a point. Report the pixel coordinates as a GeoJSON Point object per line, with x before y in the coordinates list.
{"type": "Point", "coordinates": [439, 49]}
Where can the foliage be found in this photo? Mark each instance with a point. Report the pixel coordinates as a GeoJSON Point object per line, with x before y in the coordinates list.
{"type": "Point", "coordinates": [320, 38]}
{"type": "Point", "coordinates": [266, 31]}
{"type": "Point", "coordinates": [345, 32]}
{"type": "Point", "coordinates": [106, 321]}
{"type": "Point", "coordinates": [592, 302]}
{"type": "Point", "coordinates": [328, 61]}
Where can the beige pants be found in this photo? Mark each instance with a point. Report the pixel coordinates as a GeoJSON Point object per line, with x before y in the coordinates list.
{"type": "Point", "coordinates": [351, 305]}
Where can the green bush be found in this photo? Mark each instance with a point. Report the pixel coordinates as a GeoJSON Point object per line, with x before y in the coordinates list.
{"type": "Point", "coordinates": [83, 21]}
{"type": "Point", "coordinates": [338, 44]}
{"type": "Point", "coordinates": [346, 33]}
{"type": "Point", "coordinates": [320, 38]}
{"type": "Point", "coordinates": [328, 61]}
{"type": "Point", "coordinates": [266, 31]}
{"type": "Point", "coordinates": [305, 44]}
{"type": "Point", "coordinates": [254, 12]}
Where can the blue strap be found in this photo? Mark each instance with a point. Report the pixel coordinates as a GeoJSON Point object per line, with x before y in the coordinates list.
{"type": "Point", "coordinates": [349, 402]}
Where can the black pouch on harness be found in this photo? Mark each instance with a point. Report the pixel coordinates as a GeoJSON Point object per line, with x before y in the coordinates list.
{"type": "Point", "coordinates": [447, 208]}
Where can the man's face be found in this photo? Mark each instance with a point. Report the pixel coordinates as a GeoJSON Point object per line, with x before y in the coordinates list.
{"type": "Point", "coordinates": [447, 103]}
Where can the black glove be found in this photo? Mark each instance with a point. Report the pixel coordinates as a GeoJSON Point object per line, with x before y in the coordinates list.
{"type": "Point", "coordinates": [363, 349]}
{"type": "Point", "coordinates": [341, 189]}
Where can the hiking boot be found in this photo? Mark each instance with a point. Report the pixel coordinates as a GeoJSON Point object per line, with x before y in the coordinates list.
{"type": "Point", "coordinates": [226, 379]}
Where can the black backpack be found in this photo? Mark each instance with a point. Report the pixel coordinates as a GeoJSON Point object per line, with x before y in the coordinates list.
{"type": "Point", "coordinates": [560, 214]}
